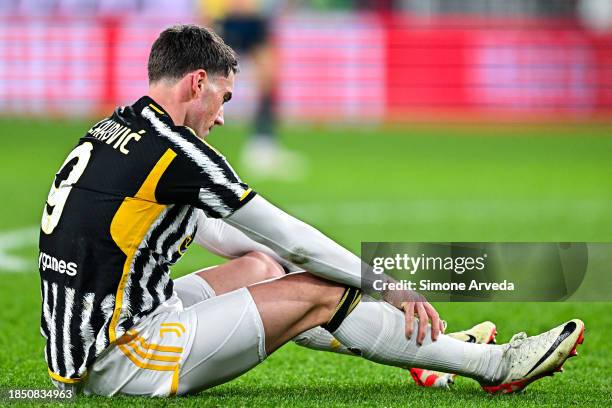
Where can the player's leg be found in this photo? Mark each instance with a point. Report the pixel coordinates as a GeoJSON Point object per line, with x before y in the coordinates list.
{"type": "Point", "coordinates": [247, 270]}
{"type": "Point", "coordinates": [264, 60]}
{"type": "Point", "coordinates": [361, 333]}
{"type": "Point", "coordinates": [250, 324]}
{"type": "Point", "coordinates": [229, 334]}
{"type": "Point", "coordinates": [241, 272]}
{"type": "Point", "coordinates": [320, 339]}
{"type": "Point", "coordinates": [264, 156]}
{"type": "Point", "coordinates": [238, 273]}
{"type": "Point", "coordinates": [258, 320]}
{"type": "Point", "coordinates": [482, 333]}
{"type": "Point", "coordinates": [377, 330]}
{"type": "Point", "coordinates": [237, 330]}
{"type": "Point", "coordinates": [183, 350]}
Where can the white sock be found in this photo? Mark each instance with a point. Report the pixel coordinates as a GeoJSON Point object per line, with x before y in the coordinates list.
{"type": "Point", "coordinates": [318, 338]}
{"type": "Point", "coordinates": [377, 329]}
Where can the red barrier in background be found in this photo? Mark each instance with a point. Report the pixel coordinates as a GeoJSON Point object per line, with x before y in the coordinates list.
{"type": "Point", "coordinates": [496, 68]}
{"type": "Point", "coordinates": [346, 66]}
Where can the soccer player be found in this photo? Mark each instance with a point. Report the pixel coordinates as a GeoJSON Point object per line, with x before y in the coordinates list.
{"type": "Point", "coordinates": [125, 205]}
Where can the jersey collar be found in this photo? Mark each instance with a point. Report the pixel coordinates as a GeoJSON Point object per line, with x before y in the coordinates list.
{"type": "Point", "coordinates": [148, 102]}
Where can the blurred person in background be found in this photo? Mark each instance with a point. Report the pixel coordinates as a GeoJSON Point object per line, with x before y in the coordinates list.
{"type": "Point", "coordinates": [246, 27]}
{"type": "Point", "coordinates": [596, 14]}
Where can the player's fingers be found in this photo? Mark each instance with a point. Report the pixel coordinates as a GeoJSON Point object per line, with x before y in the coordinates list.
{"type": "Point", "coordinates": [423, 320]}
{"type": "Point", "coordinates": [435, 321]}
{"type": "Point", "coordinates": [409, 316]}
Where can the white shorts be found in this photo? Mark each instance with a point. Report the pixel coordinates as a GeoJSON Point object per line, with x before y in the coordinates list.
{"type": "Point", "coordinates": [183, 349]}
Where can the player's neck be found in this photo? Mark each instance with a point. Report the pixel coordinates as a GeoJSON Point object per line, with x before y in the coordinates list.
{"type": "Point", "coordinates": [171, 101]}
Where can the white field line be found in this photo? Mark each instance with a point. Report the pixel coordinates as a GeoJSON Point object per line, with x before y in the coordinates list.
{"type": "Point", "coordinates": [15, 239]}
{"type": "Point", "coordinates": [380, 213]}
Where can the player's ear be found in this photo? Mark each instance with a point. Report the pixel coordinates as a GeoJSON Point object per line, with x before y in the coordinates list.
{"type": "Point", "coordinates": [199, 82]}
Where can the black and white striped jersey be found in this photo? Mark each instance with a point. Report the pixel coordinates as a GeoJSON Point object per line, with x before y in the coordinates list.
{"type": "Point", "coordinates": [121, 210]}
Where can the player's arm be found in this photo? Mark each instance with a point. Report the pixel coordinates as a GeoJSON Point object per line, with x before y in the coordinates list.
{"type": "Point", "coordinates": [297, 242]}
{"type": "Point", "coordinates": [220, 238]}
{"type": "Point", "coordinates": [311, 250]}
{"type": "Point", "coordinates": [306, 247]}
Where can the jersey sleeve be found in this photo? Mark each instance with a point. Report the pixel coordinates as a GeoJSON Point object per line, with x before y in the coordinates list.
{"type": "Point", "coordinates": [200, 176]}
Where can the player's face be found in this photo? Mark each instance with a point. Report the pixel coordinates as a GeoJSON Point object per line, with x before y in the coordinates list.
{"type": "Point", "coordinates": [207, 111]}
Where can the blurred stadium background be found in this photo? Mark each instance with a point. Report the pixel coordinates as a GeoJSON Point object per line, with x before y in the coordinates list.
{"type": "Point", "coordinates": [339, 60]}
{"type": "Point", "coordinates": [422, 120]}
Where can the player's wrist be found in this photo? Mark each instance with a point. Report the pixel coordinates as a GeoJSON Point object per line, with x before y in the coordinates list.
{"type": "Point", "coordinates": [399, 298]}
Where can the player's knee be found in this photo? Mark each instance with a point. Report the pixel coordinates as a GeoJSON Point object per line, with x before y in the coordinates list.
{"type": "Point", "coordinates": [324, 294]}
{"type": "Point", "coordinates": [332, 302]}
{"type": "Point", "coordinates": [265, 266]}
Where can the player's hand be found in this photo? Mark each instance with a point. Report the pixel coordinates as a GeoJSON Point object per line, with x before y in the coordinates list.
{"type": "Point", "coordinates": [425, 312]}
{"type": "Point", "coordinates": [414, 304]}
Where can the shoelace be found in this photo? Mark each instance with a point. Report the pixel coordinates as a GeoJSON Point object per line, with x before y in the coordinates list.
{"type": "Point", "coordinates": [522, 345]}
{"type": "Point", "coordinates": [514, 347]}
{"type": "Point", "coordinates": [518, 339]}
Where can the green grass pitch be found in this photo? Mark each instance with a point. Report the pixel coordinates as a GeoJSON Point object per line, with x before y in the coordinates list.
{"type": "Point", "coordinates": [415, 183]}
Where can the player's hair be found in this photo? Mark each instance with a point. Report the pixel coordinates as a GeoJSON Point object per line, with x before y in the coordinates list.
{"type": "Point", "coordinates": [181, 49]}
